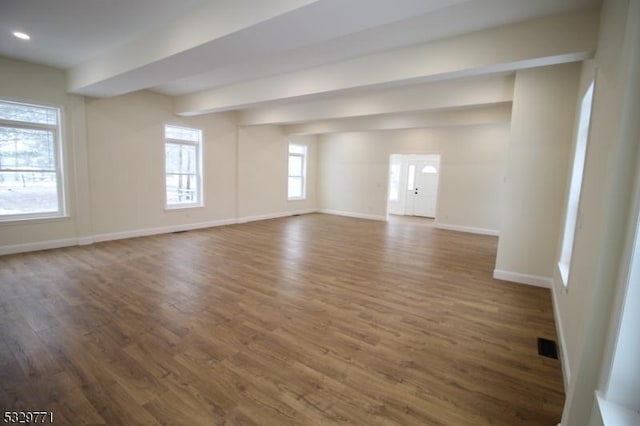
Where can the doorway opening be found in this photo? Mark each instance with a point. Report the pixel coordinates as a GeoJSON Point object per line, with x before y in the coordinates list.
{"type": "Point", "coordinates": [413, 185]}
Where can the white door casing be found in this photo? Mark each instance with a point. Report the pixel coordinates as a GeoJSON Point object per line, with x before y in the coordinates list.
{"type": "Point", "coordinates": [423, 194]}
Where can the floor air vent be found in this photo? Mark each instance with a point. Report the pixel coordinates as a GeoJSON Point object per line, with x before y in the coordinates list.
{"type": "Point", "coordinates": [547, 348]}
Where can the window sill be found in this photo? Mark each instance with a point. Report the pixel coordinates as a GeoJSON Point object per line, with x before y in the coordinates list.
{"type": "Point", "coordinates": [296, 199]}
{"type": "Point", "coordinates": [616, 415]}
{"type": "Point", "coordinates": [183, 207]}
{"type": "Point", "coordinates": [33, 220]}
{"type": "Point", "coordinates": [563, 271]}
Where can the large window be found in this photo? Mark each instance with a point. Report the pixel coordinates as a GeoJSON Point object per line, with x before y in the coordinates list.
{"type": "Point", "coordinates": [183, 165]}
{"type": "Point", "coordinates": [31, 181]}
{"type": "Point", "coordinates": [297, 171]}
{"type": "Point", "coordinates": [575, 185]}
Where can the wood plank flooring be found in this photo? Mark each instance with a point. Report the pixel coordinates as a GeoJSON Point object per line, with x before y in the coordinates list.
{"type": "Point", "coordinates": [306, 320]}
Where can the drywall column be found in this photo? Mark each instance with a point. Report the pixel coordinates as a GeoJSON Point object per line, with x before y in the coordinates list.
{"type": "Point", "coordinates": [601, 253]}
{"type": "Point", "coordinates": [80, 166]}
{"type": "Point", "coordinates": [544, 104]}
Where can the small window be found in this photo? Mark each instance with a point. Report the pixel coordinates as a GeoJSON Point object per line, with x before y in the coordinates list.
{"type": "Point", "coordinates": [183, 166]}
{"type": "Point", "coordinates": [31, 179]}
{"type": "Point", "coordinates": [394, 182]}
{"type": "Point", "coordinates": [575, 185]}
{"type": "Point", "coordinates": [297, 172]}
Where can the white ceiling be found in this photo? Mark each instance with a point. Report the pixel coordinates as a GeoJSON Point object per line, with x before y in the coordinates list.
{"type": "Point", "coordinates": [450, 19]}
{"type": "Point", "coordinates": [65, 33]}
{"type": "Point", "coordinates": [176, 47]}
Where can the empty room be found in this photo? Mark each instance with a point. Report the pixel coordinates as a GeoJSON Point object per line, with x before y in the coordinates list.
{"type": "Point", "coordinates": [316, 212]}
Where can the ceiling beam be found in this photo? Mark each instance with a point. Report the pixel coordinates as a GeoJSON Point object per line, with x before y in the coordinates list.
{"type": "Point", "coordinates": [227, 33]}
{"type": "Point", "coordinates": [492, 114]}
{"type": "Point", "coordinates": [546, 41]}
{"type": "Point", "coordinates": [479, 91]}
{"type": "Point", "coordinates": [128, 67]}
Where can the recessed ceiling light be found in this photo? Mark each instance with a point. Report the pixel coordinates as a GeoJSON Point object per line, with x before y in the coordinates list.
{"type": "Point", "coordinates": [22, 36]}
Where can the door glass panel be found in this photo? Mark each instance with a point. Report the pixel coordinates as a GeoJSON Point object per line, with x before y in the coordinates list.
{"type": "Point", "coordinates": [411, 177]}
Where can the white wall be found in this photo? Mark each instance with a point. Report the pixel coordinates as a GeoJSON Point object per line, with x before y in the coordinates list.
{"type": "Point", "coordinates": [126, 166]}
{"type": "Point", "coordinates": [473, 169]}
{"type": "Point", "coordinates": [354, 167]}
{"type": "Point", "coordinates": [353, 171]}
{"type": "Point", "coordinates": [114, 166]}
{"type": "Point", "coordinates": [263, 164]}
{"type": "Point", "coordinates": [541, 132]}
{"type": "Point", "coordinates": [601, 247]}
{"type": "Point", "coordinates": [26, 82]}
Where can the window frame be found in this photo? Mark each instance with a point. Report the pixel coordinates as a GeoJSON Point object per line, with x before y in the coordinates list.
{"type": "Point", "coordinates": [303, 176]}
{"type": "Point", "coordinates": [571, 222]}
{"type": "Point", "coordinates": [199, 175]}
{"type": "Point", "coordinates": [59, 152]}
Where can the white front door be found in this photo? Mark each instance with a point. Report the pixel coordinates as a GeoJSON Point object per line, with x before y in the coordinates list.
{"type": "Point", "coordinates": [422, 195]}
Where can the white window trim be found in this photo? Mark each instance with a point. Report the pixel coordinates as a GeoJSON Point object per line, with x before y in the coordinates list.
{"type": "Point", "coordinates": [303, 156]}
{"type": "Point", "coordinates": [58, 150]}
{"type": "Point", "coordinates": [200, 171]}
{"type": "Point", "coordinates": [572, 219]}
{"type": "Point", "coordinates": [613, 414]}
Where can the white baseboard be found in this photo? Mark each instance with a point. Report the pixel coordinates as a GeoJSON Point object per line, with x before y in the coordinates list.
{"type": "Point", "coordinates": [564, 355]}
{"type": "Point", "coordinates": [278, 215]}
{"type": "Point", "coordinates": [85, 241]}
{"type": "Point", "coordinates": [82, 241]}
{"type": "Point", "coordinates": [352, 214]}
{"type": "Point", "coordinates": [40, 245]}
{"type": "Point", "coordinates": [517, 277]}
{"type": "Point", "coordinates": [162, 230]}
{"type": "Point", "coordinates": [469, 229]}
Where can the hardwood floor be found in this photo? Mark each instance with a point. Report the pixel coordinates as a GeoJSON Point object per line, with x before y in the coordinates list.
{"type": "Point", "coordinates": [307, 320]}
